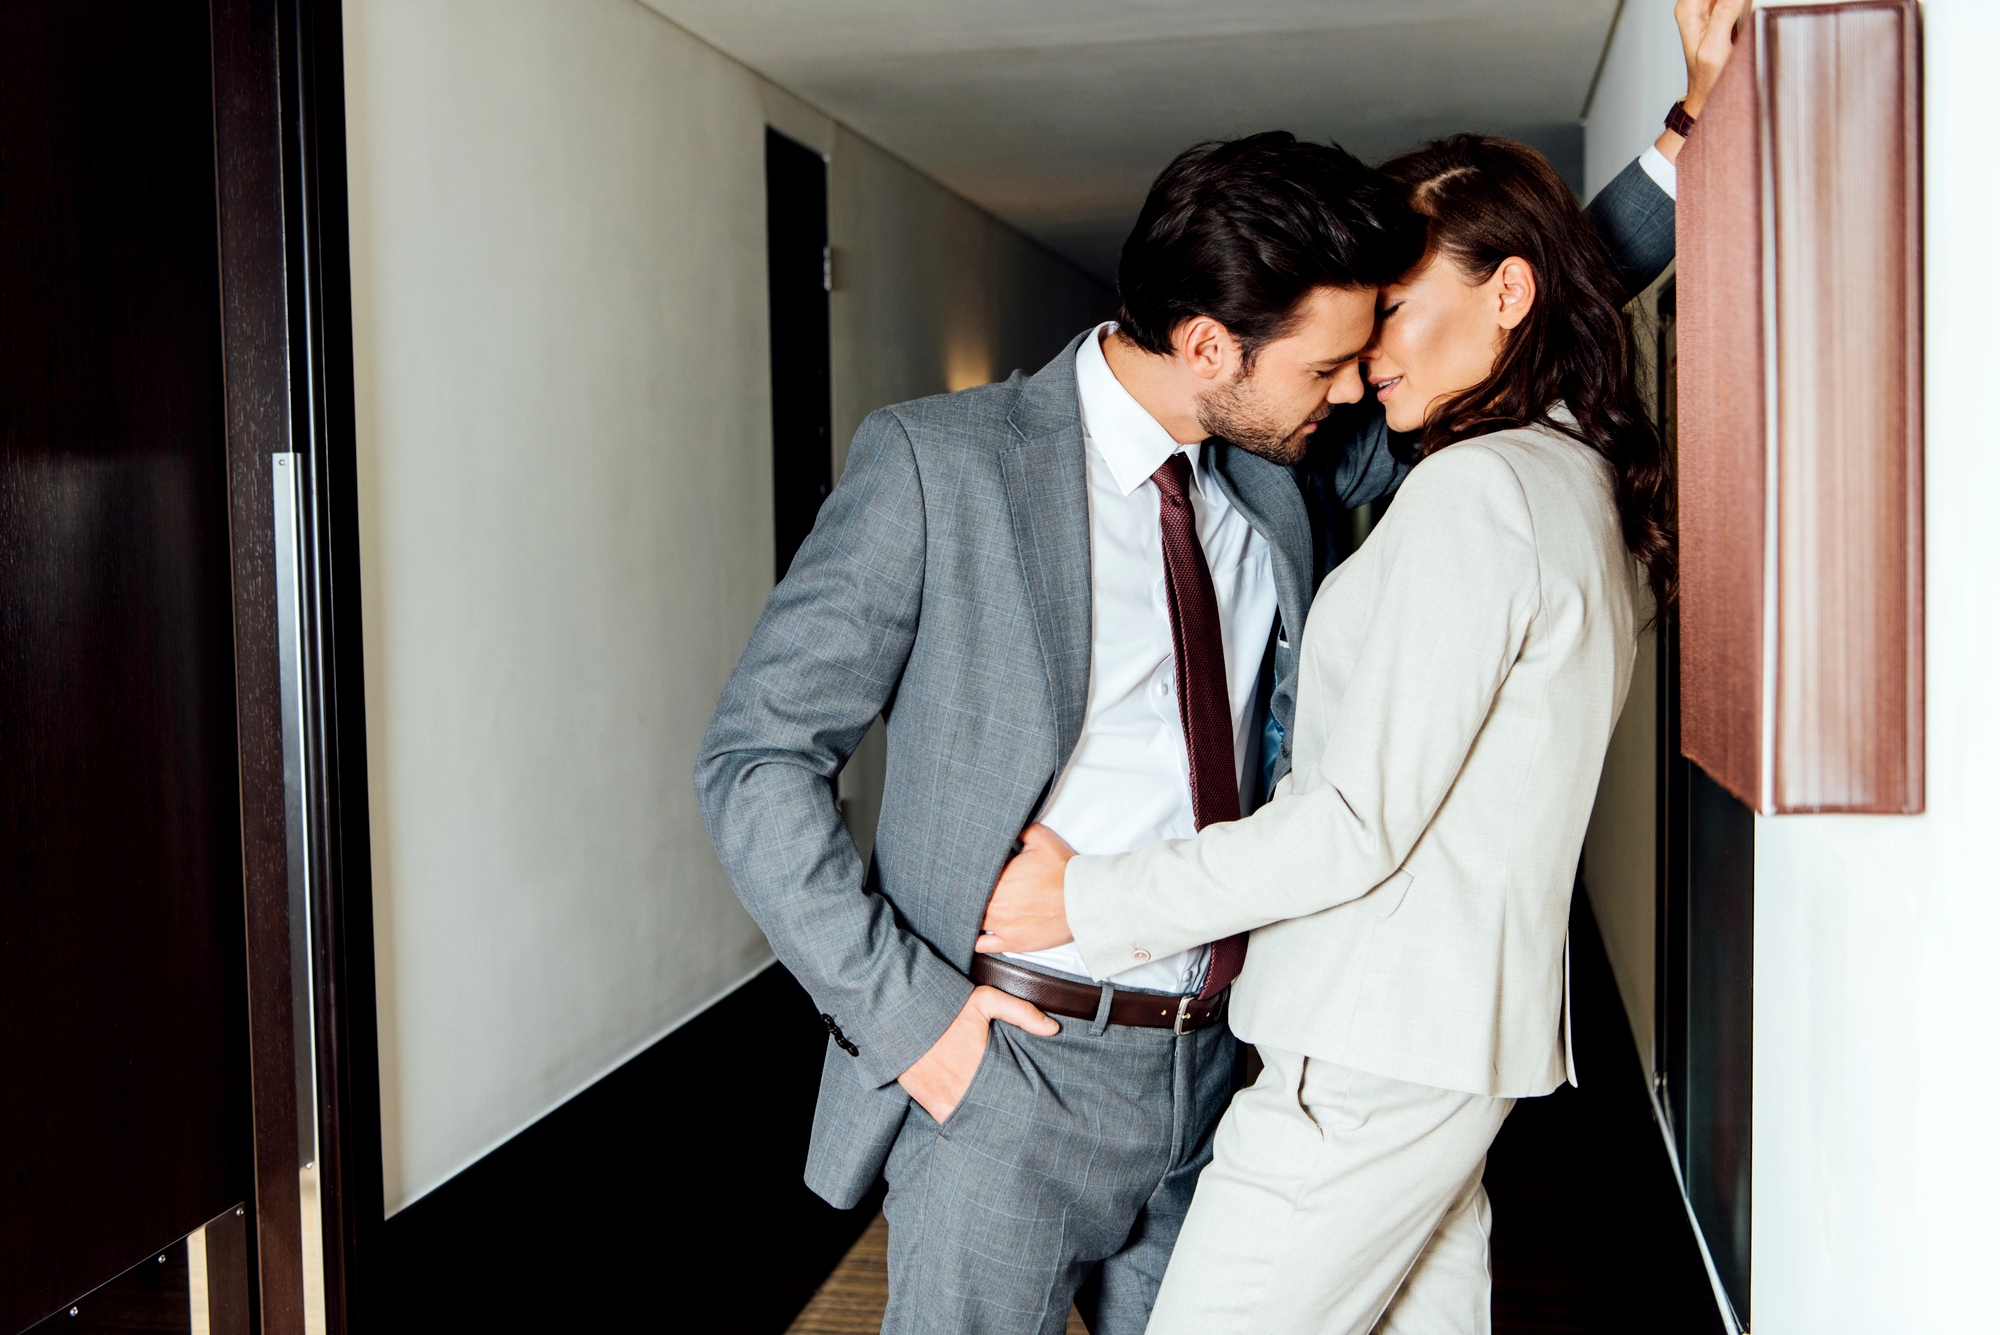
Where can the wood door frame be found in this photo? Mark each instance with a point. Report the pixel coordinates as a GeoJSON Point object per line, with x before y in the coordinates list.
{"type": "Point", "coordinates": [288, 387]}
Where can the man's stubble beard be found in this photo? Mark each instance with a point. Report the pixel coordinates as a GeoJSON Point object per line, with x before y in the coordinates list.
{"type": "Point", "coordinates": [1232, 413]}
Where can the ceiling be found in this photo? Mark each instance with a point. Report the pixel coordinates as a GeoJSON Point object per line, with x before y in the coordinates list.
{"type": "Point", "coordinates": [1056, 114]}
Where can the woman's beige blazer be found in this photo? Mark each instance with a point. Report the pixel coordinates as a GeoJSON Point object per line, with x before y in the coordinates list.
{"type": "Point", "coordinates": [1409, 882]}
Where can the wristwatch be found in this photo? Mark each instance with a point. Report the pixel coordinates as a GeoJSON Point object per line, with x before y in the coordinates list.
{"type": "Point", "coordinates": [1679, 121]}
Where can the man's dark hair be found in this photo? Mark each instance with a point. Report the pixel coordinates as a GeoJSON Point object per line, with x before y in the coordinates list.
{"type": "Point", "coordinates": [1244, 231]}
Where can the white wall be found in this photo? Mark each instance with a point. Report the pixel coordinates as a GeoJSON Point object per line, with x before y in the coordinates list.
{"type": "Point", "coordinates": [1644, 72]}
{"type": "Point", "coordinates": [1874, 1161]}
{"type": "Point", "coordinates": [1877, 1090]}
{"type": "Point", "coordinates": [557, 212]}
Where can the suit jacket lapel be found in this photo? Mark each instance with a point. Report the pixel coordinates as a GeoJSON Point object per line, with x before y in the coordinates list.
{"type": "Point", "coordinates": [1048, 502]}
{"type": "Point", "coordinates": [1268, 496]}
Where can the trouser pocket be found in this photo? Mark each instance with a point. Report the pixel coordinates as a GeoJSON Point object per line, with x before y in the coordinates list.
{"type": "Point", "coordinates": [1281, 1087]}
{"type": "Point", "coordinates": [994, 1054]}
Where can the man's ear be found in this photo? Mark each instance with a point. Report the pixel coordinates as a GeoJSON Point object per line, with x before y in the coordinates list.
{"type": "Point", "coordinates": [1206, 348]}
{"type": "Point", "coordinates": [1515, 279]}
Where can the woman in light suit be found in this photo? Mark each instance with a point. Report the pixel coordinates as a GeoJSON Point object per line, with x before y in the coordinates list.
{"type": "Point", "coordinates": [1408, 884]}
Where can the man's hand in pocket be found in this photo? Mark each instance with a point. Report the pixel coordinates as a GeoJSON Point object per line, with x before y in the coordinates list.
{"type": "Point", "coordinates": [941, 1076]}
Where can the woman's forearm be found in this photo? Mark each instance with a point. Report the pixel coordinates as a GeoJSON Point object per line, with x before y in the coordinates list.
{"type": "Point", "coordinates": [1707, 33]}
{"type": "Point", "coordinates": [1289, 859]}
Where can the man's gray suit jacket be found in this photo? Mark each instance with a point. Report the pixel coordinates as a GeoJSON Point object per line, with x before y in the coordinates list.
{"type": "Point", "coordinates": [946, 587]}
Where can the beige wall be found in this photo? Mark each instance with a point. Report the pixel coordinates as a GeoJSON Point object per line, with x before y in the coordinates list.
{"type": "Point", "coordinates": [557, 214]}
{"type": "Point", "coordinates": [1619, 864]}
{"type": "Point", "coordinates": [1618, 857]}
{"type": "Point", "coordinates": [1644, 72]}
{"type": "Point", "coordinates": [973, 299]}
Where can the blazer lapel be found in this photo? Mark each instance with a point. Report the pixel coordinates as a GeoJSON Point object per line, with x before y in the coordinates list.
{"type": "Point", "coordinates": [1048, 502]}
{"type": "Point", "coordinates": [1268, 496]}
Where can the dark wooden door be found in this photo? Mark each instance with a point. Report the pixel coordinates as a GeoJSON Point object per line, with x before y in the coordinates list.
{"type": "Point", "coordinates": [124, 1098]}
{"type": "Point", "coordinates": [801, 277]}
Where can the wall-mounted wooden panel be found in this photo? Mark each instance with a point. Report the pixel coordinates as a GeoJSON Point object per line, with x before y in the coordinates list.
{"type": "Point", "coordinates": [1719, 337]}
{"type": "Point", "coordinates": [1801, 444]}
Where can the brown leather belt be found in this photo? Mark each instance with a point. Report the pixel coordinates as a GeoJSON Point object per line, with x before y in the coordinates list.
{"type": "Point", "coordinates": [1078, 1001]}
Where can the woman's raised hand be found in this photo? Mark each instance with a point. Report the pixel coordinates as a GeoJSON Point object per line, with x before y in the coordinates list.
{"type": "Point", "coordinates": [1026, 910]}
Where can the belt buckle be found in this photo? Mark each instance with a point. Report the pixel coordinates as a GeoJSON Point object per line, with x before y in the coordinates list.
{"type": "Point", "coordinates": [1181, 1015]}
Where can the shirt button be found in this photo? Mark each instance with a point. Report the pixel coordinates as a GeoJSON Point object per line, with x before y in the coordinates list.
{"type": "Point", "coordinates": [1140, 954]}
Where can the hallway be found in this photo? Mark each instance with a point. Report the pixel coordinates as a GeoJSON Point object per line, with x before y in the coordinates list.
{"type": "Point", "coordinates": [408, 409]}
{"type": "Point", "coordinates": [980, 171]}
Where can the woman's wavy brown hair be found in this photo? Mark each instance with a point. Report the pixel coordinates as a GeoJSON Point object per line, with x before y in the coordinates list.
{"type": "Point", "coordinates": [1487, 200]}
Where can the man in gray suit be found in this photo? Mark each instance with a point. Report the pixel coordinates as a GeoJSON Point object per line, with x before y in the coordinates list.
{"type": "Point", "coordinates": [1071, 601]}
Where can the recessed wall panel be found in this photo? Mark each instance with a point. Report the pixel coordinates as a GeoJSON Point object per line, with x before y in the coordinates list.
{"type": "Point", "coordinates": [1840, 106]}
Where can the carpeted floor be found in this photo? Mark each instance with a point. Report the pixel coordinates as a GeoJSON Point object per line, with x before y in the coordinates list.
{"type": "Point", "coordinates": [852, 1299]}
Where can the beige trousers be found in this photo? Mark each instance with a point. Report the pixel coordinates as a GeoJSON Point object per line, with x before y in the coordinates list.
{"type": "Point", "coordinates": [1338, 1203]}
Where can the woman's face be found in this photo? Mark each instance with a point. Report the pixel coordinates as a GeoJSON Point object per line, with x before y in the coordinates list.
{"type": "Point", "coordinates": [1437, 334]}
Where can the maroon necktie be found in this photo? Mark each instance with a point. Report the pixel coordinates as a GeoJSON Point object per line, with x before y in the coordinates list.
{"type": "Point", "coordinates": [1204, 685]}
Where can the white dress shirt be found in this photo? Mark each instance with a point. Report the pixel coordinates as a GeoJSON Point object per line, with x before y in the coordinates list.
{"type": "Point", "coordinates": [1654, 163]}
{"type": "Point", "coordinates": [1126, 784]}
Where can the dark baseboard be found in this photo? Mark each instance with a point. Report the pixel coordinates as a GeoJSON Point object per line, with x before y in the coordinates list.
{"type": "Point", "coordinates": [666, 1197]}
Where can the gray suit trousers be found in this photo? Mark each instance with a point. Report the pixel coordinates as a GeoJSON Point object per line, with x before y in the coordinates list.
{"type": "Point", "coordinates": [1063, 1175]}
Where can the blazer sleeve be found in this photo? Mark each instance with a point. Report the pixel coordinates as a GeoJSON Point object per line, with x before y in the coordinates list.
{"type": "Point", "coordinates": [823, 661]}
{"type": "Point", "coordinates": [1635, 220]}
{"type": "Point", "coordinates": [1462, 585]}
{"type": "Point", "coordinates": [1368, 469]}
{"type": "Point", "coordinates": [1349, 461]}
